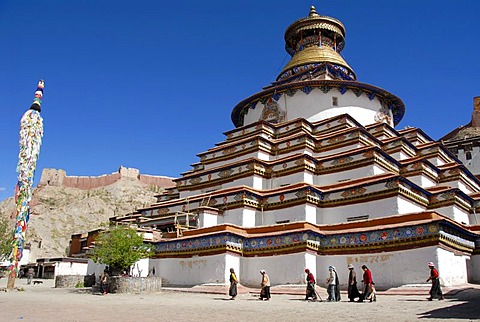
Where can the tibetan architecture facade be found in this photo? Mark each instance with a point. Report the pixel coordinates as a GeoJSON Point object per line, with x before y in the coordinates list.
{"type": "Point", "coordinates": [315, 174]}
{"type": "Point", "coordinates": [464, 141]}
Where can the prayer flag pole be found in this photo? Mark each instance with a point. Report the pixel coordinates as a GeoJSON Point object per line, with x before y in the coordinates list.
{"type": "Point", "coordinates": [31, 132]}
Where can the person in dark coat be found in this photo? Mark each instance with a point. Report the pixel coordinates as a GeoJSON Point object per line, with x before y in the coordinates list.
{"type": "Point", "coordinates": [233, 284]}
{"type": "Point", "coordinates": [337, 286]}
{"type": "Point", "coordinates": [104, 281]}
{"type": "Point", "coordinates": [435, 290]}
{"type": "Point", "coordinates": [353, 292]}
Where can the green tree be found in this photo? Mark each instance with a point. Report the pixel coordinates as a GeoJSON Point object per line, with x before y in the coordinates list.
{"type": "Point", "coordinates": [6, 238]}
{"type": "Point", "coordinates": [120, 247]}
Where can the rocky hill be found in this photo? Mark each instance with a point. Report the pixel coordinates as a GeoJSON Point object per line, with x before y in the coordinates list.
{"type": "Point", "coordinates": [63, 205]}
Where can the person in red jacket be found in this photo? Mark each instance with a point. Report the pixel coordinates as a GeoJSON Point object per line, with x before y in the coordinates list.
{"type": "Point", "coordinates": [435, 290]}
{"type": "Point", "coordinates": [310, 292]}
{"type": "Point", "coordinates": [367, 282]}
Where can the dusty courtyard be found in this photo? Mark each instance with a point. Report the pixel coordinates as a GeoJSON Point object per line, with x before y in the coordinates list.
{"type": "Point", "coordinates": [45, 303]}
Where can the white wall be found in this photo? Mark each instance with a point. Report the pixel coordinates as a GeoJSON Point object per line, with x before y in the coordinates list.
{"type": "Point", "coordinates": [232, 261]}
{"type": "Point", "coordinates": [70, 268]}
{"type": "Point", "coordinates": [406, 206]}
{"type": "Point", "coordinates": [282, 269]}
{"type": "Point", "coordinates": [141, 268]}
{"type": "Point", "coordinates": [459, 215]}
{"type": "Point", "coordinates": [474, 163]}
{"type": "Point", "coordinates": [454, 213]}
{"type": "Point", "coordinates": [327, 153]}
{"type": "Point", "coordinates": [318, 106]}
{"type": "Point", "coordinates": [473, 269]}
{"type": "Point", "coordinates": [436, 161]}
{"type": "Point", "coordinates": [194, 270]}
{"type": "Point", "coordinates": [248, 217]}
{"type": "Point", "coordinates": [207, 219]}
{"type": "Point", "coordinates": [374, 209]}
{"type": "Point", "coordinates": [452, 268]}
{"type": "Point", "coordinates": [341, 175]}
{"type": "Point", "coordinates": [400, 155]}
{"type": "Point", "coordinates": [389, 269]}
{"type": "Point", "coordinates": [233, 216]}
{"type": "Point", "coordinates": [294, 214]}
{"type": "Point", "coordinates": [422, 181]}
{"type": "Point", "coordinates": [282, 180]}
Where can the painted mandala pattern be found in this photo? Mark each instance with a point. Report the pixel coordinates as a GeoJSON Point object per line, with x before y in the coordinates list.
{"type": "Point", "coordinates": [337, 139]}
{"type": "Point", "coordinates": [225, 173]}
{"type": "Point", "coordinates": [341, 161]}
{"type": "Point", "coordinates": [353, 192]}
{"type": "Point", "coordinates": [195, 180]}
{"type": "Point", "coordinates": [229, 150]}
{"type": "Point", "coordinates": [392, 184]}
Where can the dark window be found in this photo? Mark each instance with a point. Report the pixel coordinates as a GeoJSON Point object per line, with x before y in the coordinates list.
{"type": "Point", "coordinates": [335, 101]}
{"type": "Point", "coordinates": [468, 155]}
{"type": "Point", "coordinates": [358, 218]}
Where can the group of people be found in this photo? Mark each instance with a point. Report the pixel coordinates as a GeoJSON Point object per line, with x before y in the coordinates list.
{"type": "Point", "coordinates": [369, 293]}
{"type": "Point", "coordinates": [333, 285]}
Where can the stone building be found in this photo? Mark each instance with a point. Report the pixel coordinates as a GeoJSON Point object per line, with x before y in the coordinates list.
{"type": "Point", "coordinates": [315, 174]}
{"type": "Point", "coordinates": [464, 141]}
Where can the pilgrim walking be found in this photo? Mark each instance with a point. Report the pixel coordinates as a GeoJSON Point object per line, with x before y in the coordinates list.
{"type": "Point", "coordinates": [332, 284]}
{"type": "Point", "coordinates": [367, 282]}
{"type": "Point", "coordinates": [353, 292]}
{"type": "Point", "coordinates": [233, 284]}
{"type": "Point", "coordinates": [265, 284]}
{"type": "Point", "coordinates": [310, 291]}
{"type": "Point", "coordinates": [435, 290]}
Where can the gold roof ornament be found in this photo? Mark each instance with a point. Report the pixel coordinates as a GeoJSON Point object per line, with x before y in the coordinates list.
{"type": "Point", "coordinates": [315, 39]}
{"type": "Point", "coordinates": [315, 43]}
{"type": "Point", "coordinates": [316, 54]}
{"type": "Point", "coordinates": [313, 12]}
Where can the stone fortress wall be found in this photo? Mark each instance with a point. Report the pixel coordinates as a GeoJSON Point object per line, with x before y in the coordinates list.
{"type": "Point", "coordinates": [59, 178]}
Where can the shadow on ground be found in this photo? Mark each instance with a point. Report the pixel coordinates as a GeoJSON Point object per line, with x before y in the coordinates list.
{"type": "Point", "coordinates": [464, 305]}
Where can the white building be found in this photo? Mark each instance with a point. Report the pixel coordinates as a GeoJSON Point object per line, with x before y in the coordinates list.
{"type": "Point", "coordinates": [464, 141]}
{"type": "Point", "coordinates": [315, 174]}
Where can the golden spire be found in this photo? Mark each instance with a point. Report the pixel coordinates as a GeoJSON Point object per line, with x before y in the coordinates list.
{"type": "Point", "coordinates": [313, 12]}
{"type": "Point", "coordinates": [314, 40]}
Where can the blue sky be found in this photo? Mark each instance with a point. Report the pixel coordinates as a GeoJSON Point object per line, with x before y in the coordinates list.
{"type": "Point", "coordinates": [149, 84]}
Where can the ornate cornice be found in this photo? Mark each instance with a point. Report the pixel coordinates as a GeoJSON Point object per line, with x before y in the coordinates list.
{"type": "Point", "coordinates": [292, 238]}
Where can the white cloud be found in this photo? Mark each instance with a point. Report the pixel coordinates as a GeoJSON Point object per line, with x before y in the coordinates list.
{"type": "Point", "coordinates": [2, 189]}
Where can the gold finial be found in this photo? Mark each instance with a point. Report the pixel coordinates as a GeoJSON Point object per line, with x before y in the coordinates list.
{"type": "Point", "coordinates": [313, 12]}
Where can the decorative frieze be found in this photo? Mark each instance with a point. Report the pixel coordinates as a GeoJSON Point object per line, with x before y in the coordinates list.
{"type": "Point", "coordinates": [399, 237]}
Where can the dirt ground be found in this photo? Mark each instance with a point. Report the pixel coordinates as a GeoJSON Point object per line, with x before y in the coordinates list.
{"type": "Point", "coordinates": [45, 303]}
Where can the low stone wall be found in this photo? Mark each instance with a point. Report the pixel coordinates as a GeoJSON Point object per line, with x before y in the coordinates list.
{"type": "Point", "coordinates": [63, 281]}
{"type": "Point", "coordinates": [121, 284]}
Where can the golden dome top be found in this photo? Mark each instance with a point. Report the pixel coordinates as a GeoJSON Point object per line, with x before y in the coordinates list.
{"type": "Point", "coordinates": [315, 39]}
{"type": "Point", "coordinates": [315, 22]}
{"type": "Point", "coordinates": [315, 54]}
